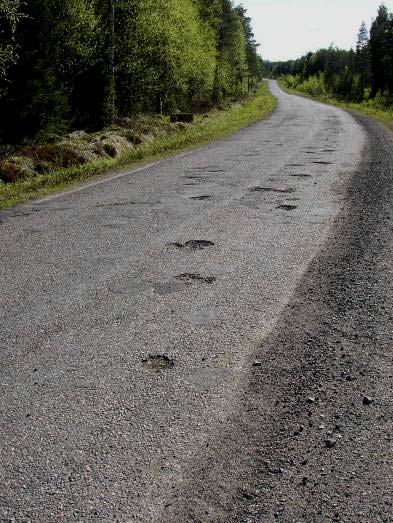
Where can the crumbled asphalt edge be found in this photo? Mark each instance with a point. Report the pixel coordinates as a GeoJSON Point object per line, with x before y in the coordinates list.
{"type": "Point", "coordinates": [331, 460]}
{"type": "Point", "coordinates": [281, 456]}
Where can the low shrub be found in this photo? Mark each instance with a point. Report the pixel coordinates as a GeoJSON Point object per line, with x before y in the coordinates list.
{"type": "Point", "coordinates": [81, 155]}
{"type": "Point", "coordinates": [16, 168]}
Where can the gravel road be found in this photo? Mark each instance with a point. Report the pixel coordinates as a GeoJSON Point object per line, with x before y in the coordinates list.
{"type": "Point", "coordinates": [206, 339]}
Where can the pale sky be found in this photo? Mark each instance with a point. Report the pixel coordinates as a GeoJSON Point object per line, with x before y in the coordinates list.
{"type": "Point", "coordinates": [288, 29]}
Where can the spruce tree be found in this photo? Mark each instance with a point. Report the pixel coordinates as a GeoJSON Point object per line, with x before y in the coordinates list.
{"type": "Point", "coordinates": [378, 49]}
{"type": "Point", "coordinates": [361, 61]}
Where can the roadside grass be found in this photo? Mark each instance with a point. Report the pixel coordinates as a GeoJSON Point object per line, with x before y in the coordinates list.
{"type": "Point", "coordinates": [216, 124]}
{"type": "Point", "coordinates": [384, 115]}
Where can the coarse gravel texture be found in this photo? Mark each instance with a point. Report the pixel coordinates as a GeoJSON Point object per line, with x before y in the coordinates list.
{"type": "Point", "coordinates": [327, 376]}
{"type": "Point", "coordinates": [310, 438]}
{"type": "Point", "coordinates": [130, 394]}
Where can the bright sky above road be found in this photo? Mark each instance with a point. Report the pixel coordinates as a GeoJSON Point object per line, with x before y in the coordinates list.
{"type": "Point", "coordinates": [288, 29]}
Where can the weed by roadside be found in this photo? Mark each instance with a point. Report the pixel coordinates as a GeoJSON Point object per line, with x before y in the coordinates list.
{"type": "Point", "coordinates": [42, 169]}
{"type": "Point", "coordinates": [368, 108]}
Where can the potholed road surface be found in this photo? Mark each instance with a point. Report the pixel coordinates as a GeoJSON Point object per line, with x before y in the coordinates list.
{"type": "Point", "coordinates": [178, 343]}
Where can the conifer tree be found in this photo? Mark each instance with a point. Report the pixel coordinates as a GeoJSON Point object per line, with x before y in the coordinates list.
{"type": "Point", "coordinates": [378, 49]}
{"type": "Point", "coordinates": [362, 61]}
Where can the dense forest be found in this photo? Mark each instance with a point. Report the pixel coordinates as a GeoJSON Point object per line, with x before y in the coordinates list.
{"type": "Point", "coordinates": [80, 64]}
{"type": "Point", "coordinates": [365, 73]}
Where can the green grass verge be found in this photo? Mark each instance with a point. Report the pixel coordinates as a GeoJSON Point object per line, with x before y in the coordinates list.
{"type": "Point", "coordinates": [364, 108]}
{"type": "Point", "coordinates": [217, 124]}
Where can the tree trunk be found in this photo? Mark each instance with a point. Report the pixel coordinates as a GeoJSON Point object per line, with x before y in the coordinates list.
{"type": "Point", "coordinates": [112, 86]}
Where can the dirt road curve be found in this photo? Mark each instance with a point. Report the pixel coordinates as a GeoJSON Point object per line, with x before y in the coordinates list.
{"type": "Point", "coordinates": [208, 339]}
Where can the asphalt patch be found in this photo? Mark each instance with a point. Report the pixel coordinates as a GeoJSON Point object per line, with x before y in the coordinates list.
{"type": "Point", "coordinates": [158, 362]}
{"type": "Point", "coordinates": [132, 285]}
{"type": "Point", "coordinates": [165, 288]}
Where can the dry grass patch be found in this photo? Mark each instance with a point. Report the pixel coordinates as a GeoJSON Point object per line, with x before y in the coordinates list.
{"type": "Point", "coordinates": [40, 169]}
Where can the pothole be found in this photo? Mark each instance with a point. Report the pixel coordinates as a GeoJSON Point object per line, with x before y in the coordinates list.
{"type": "Point", "coordinates": [157, 362]}
{"type": "Point", "coordinates": [196, 177]}
{"type": "Point", "coordinates": [192, 244]}
{"type": "Point", "coordinates": [202, 197]}
{"type": "Point", "coordinates": [188, 278]}
{"type": "Point", "coordinates": [122, 204]}
{"type": "Point", "coordinates": [287, 207]}
{"type": "Point", "coordinates": [198, 244]}
{"type": "Point", "coordinates": [114, 204]}
{"type": "Point", "coordinates": [285, 190]}
{"type": "Point", "coordinates": [205, 170]}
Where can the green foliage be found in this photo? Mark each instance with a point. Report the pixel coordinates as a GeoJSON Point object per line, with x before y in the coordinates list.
{"type": "Point", "coordinates": [84, 63]}
{"type": "Point", "coordinates": [57, 41]}
{"type": "Point", "coordinates": [313, 86]}
{"type": "Point", "coordinates": [205, 128]}
{"type": "Point", "coordinates": [379, 52]}
{"type": "Point", "coordinates": [232, 58]}
{"type": "Point", "coordinates": [10, 14]}
{"type": "Point", "coordinates": [351, 75]}
{"type": "Point", "coordinates": [164, 52]}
